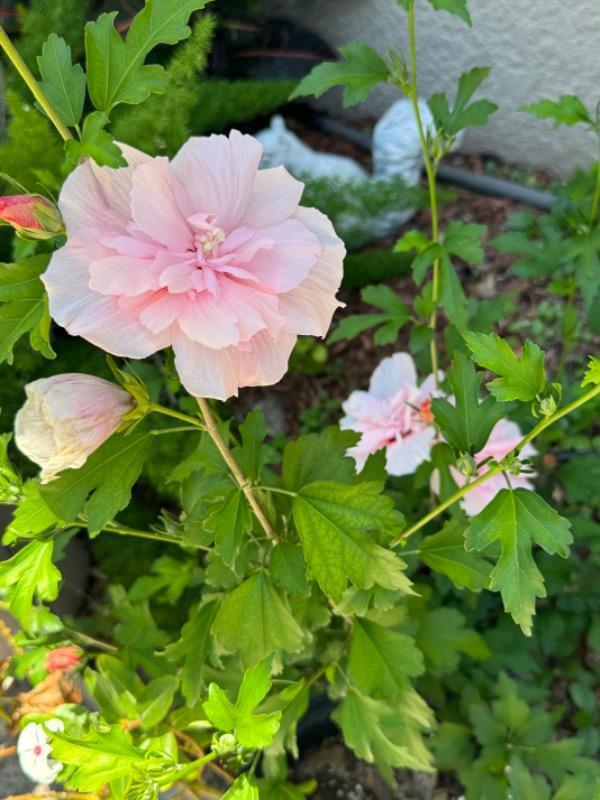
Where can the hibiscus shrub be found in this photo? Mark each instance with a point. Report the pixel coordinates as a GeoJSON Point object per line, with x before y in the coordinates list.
{"type": "Point", "coordinates": [362, 560]}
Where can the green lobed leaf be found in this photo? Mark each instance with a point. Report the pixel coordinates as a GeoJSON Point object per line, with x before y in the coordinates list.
{"type": "Point", "coordinates": [466, 424]}
{"type": "Point", "coordinates": [394, 315]}
{"type": "Point", "coordinates": [318, 456]}
{"type": "Point", "coordinates": [462, 115]}
{"type": "Point", "coordinates": [102, 486]}
{"type": "Point", "coordinates": [115, 66]}
{"type": "Point", "coordinates": [96, 143]}
{"type": "Point", "coordinates": [380, 659]}
{"type": "Point", "coordinates": [592, 373]}
{"type": "Point", "coordinates": [456, 7]}
{"type": "Point", "coordinates": [24, 308]}
{"type": "Point", "coordinates": [521, 378]}
{"type": "Point", "coordinates": [156, 699]}
{"type": "Point", "coordinates": [32, 516]}
{"type": "Point", "coordinates": [29, 573]}
{"type": "Point", "coordinates": [442, 636]}
{"type": "Point", "coordinates": [388, 735]}
{"type": "Point", "coordinates": [288, 568]}
{"type": "Point", "coordinates": [518, 519]}
{"type": "Point", "coordinates": [97, 757]}
{"type": "Point", "coordinates": [463, 239]}
{"type": "Point", "coordinates": [255, 621]}
{"type": "Point", "coordinates": [62, 82]}
{"type": "Point", "coordinates": [445, 552]}
{"type": "Point", "coordinates": [243, 788]}
{"type": "Point", "coordinates": [250, 729]}
{"type": "Point", "coordinates": [334, 523]}
{"type": "Point", "coordinates": [230, 521]}
{"type": "Point", "coordinates": [452, 296]}
{"type": "Point", "coordinates": [192, 649]}
{"type": "Point", "coordinates": [567, 110]}
{"type": "Point", "coordinates": [361, 69]}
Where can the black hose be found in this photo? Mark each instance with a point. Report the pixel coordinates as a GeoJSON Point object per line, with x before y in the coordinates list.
{"type": "Point", "coordinates": [452, 176]}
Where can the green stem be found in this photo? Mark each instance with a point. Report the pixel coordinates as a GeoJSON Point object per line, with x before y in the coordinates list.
{"type": "Point", "coordinates": [430, 170]}
{"type": "Point", "coordinates": [187, 769]}
{"type": "Point", "coordinates": [596, 201]}
{"type": "Point", "coordinates": [124, 531]}
{"type": "Point", "coordinates": [171, 412]}
{"type": "Point", "coordinates": [241, 480]}
{"type": "Point", "coordinates": [533, 433]}
{"type": "Point", "coordinates": [15, 58]}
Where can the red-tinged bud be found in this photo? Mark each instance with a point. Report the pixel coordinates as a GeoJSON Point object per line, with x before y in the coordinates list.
{"type": "Point", "coordinates": [63, 658]}
{"type": "Point", "coordinates": [31, 215]}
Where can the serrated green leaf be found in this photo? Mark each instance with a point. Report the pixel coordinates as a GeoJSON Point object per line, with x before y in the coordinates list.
{"type": "Point", "coordinates": [394, 315]}
{"type": "Point", "coordinates": [518, 519]}
{"type": "Point", "coordinates": [62, 82]}
{"type": "Point", "coordinates": [253, 454]}
{"type": "Point", "coordinates": [24, 308]}
{"type": "Point", "coordinates": [385, 734]}
{"type": "Point", "coordinates": [318, 456]}
{"type": "Point", "coordinates": [461, 116]}
{"type": "Point", "coordinates": [361, 69]}
{"type": "Point", "coordinates": [156, 699]}
{"type": "Point", "coordinates": [115, 66]}
{"type": "Point", "coordinates": [442, 636]}
{"type": "Point", "coordinates": [456, 7]}
{"type": "Point", "coordinates": [334, 522]}
{"type": "Point", "coordinates": [97, 757]}
{"type": "Point", "coordinates": [524, 784]}
{"type": "Point", "coordinates": [466, 424]}
{"type": "Point", "coordinates": [193, 648]}
{"type": "Point", "coordinates": [96, 143]}
{"type": "Point", "coordinates": [452, 296]}
{"type": "Point", "coordinates": [250, 729]}
{"type": "Point", "coordinates": [445, 552]}
{"type": "Point", "coordinates": [520, 378]}
{"type": "Point", "coordinates": [288, 568]}
{"type": "Point", "coordinates": [463, 239]}
{"type": "Point", "coordinates": [230, 521]}
{"type": "Point", "coordinates": [32, 516]}
{"type": "Point", "coordinates": [255, 621]}
{"type": "Point", "coordinates": [243, 788]}
{"type": "Point", "coordinates": [567, 110]}
{"type": "Point", "coordinates": [592, 373]}
{"type": "Point", "coordinates": [27, 574]}
{"type": "Point", "coordinates": [102, 486]}
{"type": "Point", "coordinates": [380, 659]}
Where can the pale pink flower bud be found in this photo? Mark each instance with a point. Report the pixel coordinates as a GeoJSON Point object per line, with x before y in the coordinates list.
{"type": "Point", "coordinates": [67, 417]}
{"type": "Point", "coordinates": [31, 215]}
{"type": "Point", "coordinates": [62, 658]}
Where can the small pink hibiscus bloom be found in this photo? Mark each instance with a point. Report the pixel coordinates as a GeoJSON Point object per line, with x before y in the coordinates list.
{"type": "Point", "coordinates": [394, 414]}
{"type": "Point", "coordinates": [504, 437]}
{"type": "Point", "coordinates": [34, 751]}
{"type": "Point", "coordinates": [205, 253]}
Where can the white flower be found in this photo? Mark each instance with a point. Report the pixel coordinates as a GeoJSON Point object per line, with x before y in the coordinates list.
{"type": "Point", "coordinates": [67, 417]}
{"type": "Point", "coordinates": [33, 749]}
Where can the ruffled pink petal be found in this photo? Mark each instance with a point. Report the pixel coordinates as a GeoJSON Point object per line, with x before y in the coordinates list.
{"type": "Point", "coordinates": [362, 410]}
{"type": "Point", "coordinates": [162, 310]}
{"type": "Point", "coordinates": [393, 374]}
{"type": "Point", "coordinates": [99, 196]}
{"type": "Point", "coordinates": [156, 197]}
{"type": "Point", "coordinates": [275, 196]}
{"type": "Point", "coordinates": [255, 310]}
{"type": "Point", "coordinates": [405, 455]}
{"type": "Point", "coordinates": [84, 312]}
{"type": "Point", "coordinates": [309, 307]}
{"type": "Point", "coordinates": [280, 257]}
{"type": "Point", "coordinates": [218, 173]}
{"type": "Point", "coordinates": [208, 322]}
{"type": "Point", "coordinates": [123, 275]}
{"type": "Point", "coordinates": [220, 373]}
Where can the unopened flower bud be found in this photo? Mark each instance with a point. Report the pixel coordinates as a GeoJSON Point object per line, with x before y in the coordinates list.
{"type": "Point", "coordinates": [62, 658]}
{"type": "Point", "coordinates": [67, 417]}
{"type": "Point", "coordinates": [31, 215]}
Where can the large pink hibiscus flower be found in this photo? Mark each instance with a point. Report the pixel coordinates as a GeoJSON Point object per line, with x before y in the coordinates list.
{"type": "Point", "coordinates": [205, 253]}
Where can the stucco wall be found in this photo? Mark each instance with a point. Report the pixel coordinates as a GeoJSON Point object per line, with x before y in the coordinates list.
{"type": "Point", "coordinates": [537, 48]}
